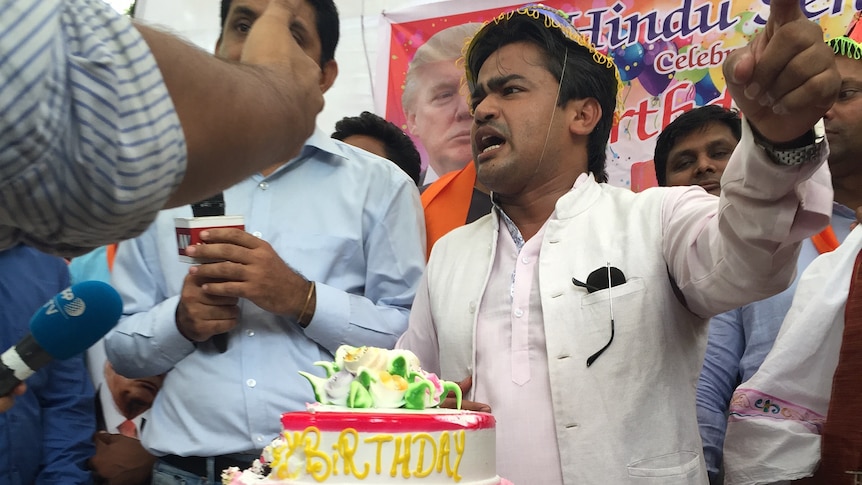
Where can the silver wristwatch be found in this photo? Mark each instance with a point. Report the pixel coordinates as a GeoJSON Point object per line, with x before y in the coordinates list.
{"type": "Point", "coordinates": [805, 148]}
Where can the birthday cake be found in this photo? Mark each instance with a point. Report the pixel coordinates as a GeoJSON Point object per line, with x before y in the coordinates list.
{"type": "Point", "coordinates": [377, 420]}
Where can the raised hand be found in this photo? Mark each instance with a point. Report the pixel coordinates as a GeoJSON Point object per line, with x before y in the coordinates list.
{"type": "Point", "coordinates": [250, 269]}
{"type": "Point", "coordinates": [270, 43]}
{"type": "Point", "coordinates": [785, 79]}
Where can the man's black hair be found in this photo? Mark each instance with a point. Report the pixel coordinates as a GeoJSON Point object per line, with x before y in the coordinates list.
{"type": "Point", "coordinates": [692, 121]}
{"type": "Point", "coordinates": [398, 146]}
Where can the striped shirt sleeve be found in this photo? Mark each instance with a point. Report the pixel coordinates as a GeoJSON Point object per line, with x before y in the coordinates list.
{"type": "Point", "coordinates": [90, 144]}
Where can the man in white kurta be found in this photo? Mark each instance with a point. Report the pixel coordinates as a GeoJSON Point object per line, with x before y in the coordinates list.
{"type": "Point", "coordinates": [498, 302]}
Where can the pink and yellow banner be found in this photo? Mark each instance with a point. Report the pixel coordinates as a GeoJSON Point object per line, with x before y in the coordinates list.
{"type": "Point", "coordinates": [669, 53]}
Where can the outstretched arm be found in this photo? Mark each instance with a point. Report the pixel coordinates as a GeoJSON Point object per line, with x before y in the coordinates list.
{"type": "Point", "coordinates": [239, 118]}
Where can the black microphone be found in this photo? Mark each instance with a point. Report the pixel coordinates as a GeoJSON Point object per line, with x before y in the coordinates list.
{"type": "Point", "coordinates": [67, 325]}
{"type": "Point", "coordinates": [213, 206]}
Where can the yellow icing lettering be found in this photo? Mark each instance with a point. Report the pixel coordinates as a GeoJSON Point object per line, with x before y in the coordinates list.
{"type": "Point", "coordinates": [442, 455]}
{"type": "Point", "coordinates": [282, 453]}
{"type": "Point", "coordinates": [317, 463]}
{"type": "Point", "coordinates": [459, 450]}
{"type": "Point", "coordinates": [345, 447]}
{"type": "Point", "coordinates": [379, 439]}
{"type": "Point", "coordinates": [444, 452]}
{"type": "Point", "coordinates": [423, 439]}
{"type": "Point", "coordinates": [402, 459]}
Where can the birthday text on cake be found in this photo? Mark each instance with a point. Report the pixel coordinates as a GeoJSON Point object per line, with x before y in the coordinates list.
{"type": "Point", "coordinates": [412, 455]}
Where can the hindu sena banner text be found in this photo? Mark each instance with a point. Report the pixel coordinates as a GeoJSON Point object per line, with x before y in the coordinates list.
{"type": "Point", "coordinates": [669, 54]}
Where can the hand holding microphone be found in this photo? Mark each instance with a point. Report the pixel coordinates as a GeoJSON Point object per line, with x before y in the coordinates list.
{"type": "Point", "coordinates": [65, 326]}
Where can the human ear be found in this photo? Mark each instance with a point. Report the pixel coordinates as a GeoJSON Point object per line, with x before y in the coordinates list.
{"type": "Point", "coordinates": [584, 115]}
{"type": "Point", "coordinates": [328, 75]}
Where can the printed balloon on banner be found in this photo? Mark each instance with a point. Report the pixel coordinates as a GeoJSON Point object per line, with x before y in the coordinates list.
{"type": "Point", "coordinates": [629, 60]}
{"type": "Point", "coordinates": [651, 80]}
{"type": "Point", "coordinates": [705, 91]}
{"type": "Point", "coordinates": [717, 76]}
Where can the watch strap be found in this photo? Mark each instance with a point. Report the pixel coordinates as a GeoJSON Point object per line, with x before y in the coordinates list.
{"type": "Point", "coordinates": [805, 148]}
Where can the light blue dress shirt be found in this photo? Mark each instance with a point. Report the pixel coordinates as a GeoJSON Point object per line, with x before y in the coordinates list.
{"type": "Point", "coordinates": [738, 342]}
{"type": "Point", "coordinates": [90, 144]}
{"type": "Point", "coordinates": [348, 220]}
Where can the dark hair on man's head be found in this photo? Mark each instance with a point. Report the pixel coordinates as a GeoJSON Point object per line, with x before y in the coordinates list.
{"type": "Point", "coordinates": [326, 14]}
{"type": "Point", "coordinates": [225, 8]}
{"type": "Point", "coordinates": [398, 146]}
{"type": "Point", "coordinates": [584, 76]}
{"type": "Point", "coordinates": [692, 121]}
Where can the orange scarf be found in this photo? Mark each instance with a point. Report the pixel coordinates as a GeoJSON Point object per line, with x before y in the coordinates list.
{"type": "Point", "coordinates": [447, 202]}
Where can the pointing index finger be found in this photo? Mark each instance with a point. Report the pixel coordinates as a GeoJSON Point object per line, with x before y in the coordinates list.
{"type": "Point", "coordinates": [782, 12]}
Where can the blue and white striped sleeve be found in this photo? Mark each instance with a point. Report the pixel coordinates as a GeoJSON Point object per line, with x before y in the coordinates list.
{"type": "Point", "coordinates": [90, 144]}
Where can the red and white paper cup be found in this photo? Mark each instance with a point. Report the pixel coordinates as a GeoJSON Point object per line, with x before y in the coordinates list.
{"type": "Point", "coordinates": [189, 232]}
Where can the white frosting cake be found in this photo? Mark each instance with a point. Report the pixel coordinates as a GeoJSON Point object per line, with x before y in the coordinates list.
{"type": "Point", "coordinates": [375, 424]}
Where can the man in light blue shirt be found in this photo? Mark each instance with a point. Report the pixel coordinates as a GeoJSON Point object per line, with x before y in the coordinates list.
{"type": "Point", "coordinates": [332, 255]}
{"type": "Point", "coordinates": [693, 150]}
{"type": "Point", "coordinates": [103, 123]}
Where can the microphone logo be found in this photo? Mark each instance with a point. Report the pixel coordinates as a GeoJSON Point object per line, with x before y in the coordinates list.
{"type": "Point", "coordinates": [75, 308]}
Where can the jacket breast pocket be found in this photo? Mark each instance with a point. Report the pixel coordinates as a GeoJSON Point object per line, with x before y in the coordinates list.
{"type": "Point", "coordinates": [633, 285]}
{"type": "Point", "coordinates": [681, 468]}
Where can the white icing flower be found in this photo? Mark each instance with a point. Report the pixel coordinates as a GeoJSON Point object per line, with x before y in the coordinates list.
{"type": "Point", "coordinates": [266, 456]}
{"type": "Point", "coordinates": [388, 391]}
{"type": "Point", "coordinates": [379, 378]}
{"type": "Point", "coordinates": [228, 475]}
{"type": "Point", "coordinates": [338, 387]}
{"type": "Point", "coordinates": [372, 358]}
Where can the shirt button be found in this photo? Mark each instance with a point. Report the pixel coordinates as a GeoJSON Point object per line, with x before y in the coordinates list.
{"type": "Point", "coordinates": [258, 438]}
{"type": "Point", "coordinates": [251, 383]}
{"type": "Point", "coordinates": [472, 306]}
{"type": "Point", "coordinates": [263, 185]}
{"type": "Point", "coordinates": [519, 313]}
{"type": "Point", "coordinates": [257, 234]}
{"type": "Point", "coordinates": [525, 260]}
{"type": "Point", "coordinates": [250, 333]}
